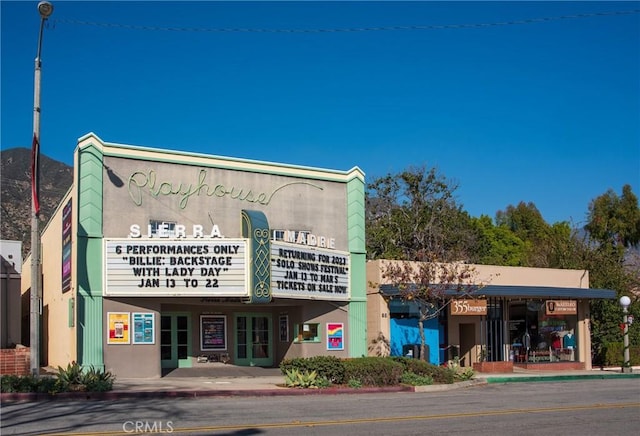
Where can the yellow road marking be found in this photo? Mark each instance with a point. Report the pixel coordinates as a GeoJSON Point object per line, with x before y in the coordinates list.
{"type": "Point", "coordinates": [294, 424]}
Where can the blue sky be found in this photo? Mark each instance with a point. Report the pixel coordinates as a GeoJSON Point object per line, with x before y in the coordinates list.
{"type": "Point", "coordinates": [545, 112]}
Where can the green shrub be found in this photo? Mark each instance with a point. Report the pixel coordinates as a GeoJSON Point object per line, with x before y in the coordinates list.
{"type": "Point", "coordinates": [29, 383]}
{"type": "Point", "coordinates": [48, 385]}
{"type": "Point", "coordinates": [355, 384]}
{"type": "Point", "coordinates": [304, 379]}
{"type": "Point", "coordinates": [412, 379]}
{"type": "Point", "coordinates": [9, 383]}
{"type": "Point", "coordinates": [329, 367]}
{"type": "Point", "coordinates": [323, 382]}
{"type": "Point", "coordinates": [71, 378]}
{"type": "Point", "coordinates": [97, 380]}
{"type": "Point", "coordinates": [15, 383]}
{"type": "Point", "coordinates": [614, 354]}
{"type": "Point", "coordinates": [416, 366]}
{"type": "Point", "coordinates": [374, 371]}
{"type": "Point", "coordinates": [297, 363]}
{"type": "Point", "coordinates": [463, 374]}
{"type": "Point", "coordinates": [439, 374]}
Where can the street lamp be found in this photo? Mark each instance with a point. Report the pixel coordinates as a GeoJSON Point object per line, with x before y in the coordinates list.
{"type": "Point", "coordinates": [625, 302]}
{"type": "Point", "coordinates": [45, 9]}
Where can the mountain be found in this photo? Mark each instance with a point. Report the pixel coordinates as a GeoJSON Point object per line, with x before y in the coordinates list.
{"type": "Point", "coordinates": [15, 193]}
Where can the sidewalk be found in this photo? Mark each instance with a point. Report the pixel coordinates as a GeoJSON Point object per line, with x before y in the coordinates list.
{"type": "Point", "coordinates": [528, 375]}
{"type": "Point", "coordinates": [230, 380]}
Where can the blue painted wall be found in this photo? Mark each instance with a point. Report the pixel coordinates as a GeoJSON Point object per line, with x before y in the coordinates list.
{"type": "Point", "coordinates": [404, 331]}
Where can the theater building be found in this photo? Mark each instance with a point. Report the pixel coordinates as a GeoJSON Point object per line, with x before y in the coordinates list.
{"type": "Point", "coordinates": [513, 316]}
{"type": "Point", "coordinates": [159, 259]}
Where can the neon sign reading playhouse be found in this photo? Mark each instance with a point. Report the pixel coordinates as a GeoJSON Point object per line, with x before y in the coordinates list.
{"type": "Point", "coordinates": [139, 182]}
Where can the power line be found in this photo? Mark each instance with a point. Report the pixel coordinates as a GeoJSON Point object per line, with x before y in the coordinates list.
{"type": "Point", "coordinates": [347, 29]}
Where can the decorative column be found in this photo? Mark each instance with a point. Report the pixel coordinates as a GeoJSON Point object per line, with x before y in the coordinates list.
{"type": "Point", "coordinates": [89, 261]}
{"type": "Point", "coordinates": [357, 329]}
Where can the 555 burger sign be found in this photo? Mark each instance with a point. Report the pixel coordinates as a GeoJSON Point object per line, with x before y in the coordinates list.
{"type": "Point", "coordinates": [186, 268]}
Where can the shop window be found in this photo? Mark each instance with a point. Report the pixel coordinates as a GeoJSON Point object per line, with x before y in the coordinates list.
{"type": "Point", "coordinates": [307, 332]}
{"type": "Point", "coordinates": [400, 308]}
{"type": "Point", "coordinates": [539, 336]}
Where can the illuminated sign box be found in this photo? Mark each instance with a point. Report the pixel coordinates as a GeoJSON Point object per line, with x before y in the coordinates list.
{"type": "Point", "coordinates": [310, 273]}
{"type": "Point", "coordinates": [138, 268]}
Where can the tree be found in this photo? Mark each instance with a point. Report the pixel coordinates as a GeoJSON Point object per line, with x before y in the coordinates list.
{"type": "Point", "coordinates": [431, 285]}
{"type": "Point", "coordinates": [524, 220]}
{"type": "Point", "coordinates": [413, 217]}
{"type": "Point", "coordinates": [544, 244]}
{"type": "Point", "coordinates": [613, 230]}
{"type": "Point", "coordinates": [615, 220]}
{"type": "Point", "coordinates": [606, 271]}
{"type": "Point", "coordinates": [416, 211]}
{"type": "Point", "coordinates": [497, 245]}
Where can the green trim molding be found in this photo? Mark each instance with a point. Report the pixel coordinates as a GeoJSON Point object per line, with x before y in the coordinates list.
{"type": "Point", "coordinates": [357, 248]}
{"type": "Point", "coordinates": [89, 255]}
{"type": "Point", "coordinates": [255, 227]}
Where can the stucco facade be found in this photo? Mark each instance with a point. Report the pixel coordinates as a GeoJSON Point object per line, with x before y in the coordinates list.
{"type": "Point", "coordinates": [514, 303]}
{"type": "Point", "coordinates": [178, 260]}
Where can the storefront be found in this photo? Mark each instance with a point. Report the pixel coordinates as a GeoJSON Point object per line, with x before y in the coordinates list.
{"type": "Point", "coordinates": [542, 330]}
{"type": "Point", "coordinates": [529, 317]}
{"type": "Point", "coordinates": [158, 259]}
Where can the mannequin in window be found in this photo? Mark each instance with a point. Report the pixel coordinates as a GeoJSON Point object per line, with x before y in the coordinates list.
{"type": "Point", "coordinates": [556, 345]}
{"type": "Point", "coordinates": [526, 343]}
{"type": "Point", "coordinates": [569, 342]}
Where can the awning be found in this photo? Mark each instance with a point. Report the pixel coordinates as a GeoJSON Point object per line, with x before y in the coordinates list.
{"type": "Point", "coordinates": [518, 291]}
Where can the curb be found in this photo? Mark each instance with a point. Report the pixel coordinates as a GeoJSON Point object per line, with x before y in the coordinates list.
{"type": "Point", "coordinates": [118, 395]}
{"type": "Point", "coordinates": [556, 378]}
{"type": "Point", "coordinates": [459, 385]}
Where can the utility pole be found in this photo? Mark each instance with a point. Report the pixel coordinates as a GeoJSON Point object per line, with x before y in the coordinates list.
{"type": "Point", "coordinates": [45, 9]}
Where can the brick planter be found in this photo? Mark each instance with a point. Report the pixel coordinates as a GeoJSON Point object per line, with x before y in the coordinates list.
{"type": "Point", "coordinates": [493, 367]}
{"type": "Point", "coordinates": [15, 361]}
{"type": "Point", "coordinates": [556, 366]}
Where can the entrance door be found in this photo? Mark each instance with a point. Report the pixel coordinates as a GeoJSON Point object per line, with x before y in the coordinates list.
{"type": "Point", "coordinates": [175, 340]}
{"type": "Point", "coordinates": [254, 346]}
{"type": "Point", "coordinates": [467, 344]}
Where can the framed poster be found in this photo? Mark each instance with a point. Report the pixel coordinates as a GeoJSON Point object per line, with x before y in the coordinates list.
{"type": "Point", "coordinates": [335, 336]}
{"type": "Point", "coordinates": [143, 328]}
{"type": "Point", "coordinates": [284, 328]}
{"type": "Point", "coordinates": [213, 332]}
{"type": "Point", "coordinates": [118, 324]}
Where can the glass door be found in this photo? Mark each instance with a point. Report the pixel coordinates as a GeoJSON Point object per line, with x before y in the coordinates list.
{"type": "Point", "coordinates": [175, 340]}
{"type": "Point", "coordinates": [253, 340]}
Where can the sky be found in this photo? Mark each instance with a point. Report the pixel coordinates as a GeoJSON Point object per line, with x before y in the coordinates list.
{"type": "Point", "coordinates": [510, 101]}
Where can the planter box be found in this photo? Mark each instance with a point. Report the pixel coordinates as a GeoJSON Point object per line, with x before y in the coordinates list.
{"type": "Point", "coordinates": [556, 366]}
{"type": "Point", "coordinates": [493, 367]}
